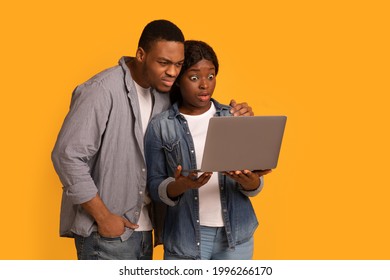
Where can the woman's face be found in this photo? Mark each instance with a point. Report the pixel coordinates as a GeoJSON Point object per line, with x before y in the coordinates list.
{"type": "Point", "coordinates": [197, 85]}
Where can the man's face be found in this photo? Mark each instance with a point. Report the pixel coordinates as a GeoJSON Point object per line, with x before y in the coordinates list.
{"type": "Point", "coordinates": [162, 64]}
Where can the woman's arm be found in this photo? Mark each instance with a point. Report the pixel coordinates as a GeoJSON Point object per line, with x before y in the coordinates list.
{"type": "Point", "coordinates": [250, 181]}
{"type": "Point", "coordinates": [155, 160]}
{"type": "Point", "coordinates": [183, 183]}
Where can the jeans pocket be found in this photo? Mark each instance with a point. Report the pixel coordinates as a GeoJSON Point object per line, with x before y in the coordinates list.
{"type": "Point", "coordinates": [110, 239]}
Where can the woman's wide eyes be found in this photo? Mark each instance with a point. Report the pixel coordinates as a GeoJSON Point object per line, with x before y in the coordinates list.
{"type": "Point", "coordinates": [194, 78]}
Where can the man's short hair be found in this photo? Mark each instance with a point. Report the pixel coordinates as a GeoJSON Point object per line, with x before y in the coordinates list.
{"type": "Point", "coordinates": [159, 30]}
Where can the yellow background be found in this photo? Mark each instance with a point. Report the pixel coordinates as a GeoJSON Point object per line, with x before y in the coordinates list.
{"type": "Point", "coordinates": [324, 64]}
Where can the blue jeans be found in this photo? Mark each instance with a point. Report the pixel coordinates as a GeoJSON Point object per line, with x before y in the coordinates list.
{"type": "Point", "coordinates": [95, 247]}
{"type": "Point", "coordinates": [214, 246]}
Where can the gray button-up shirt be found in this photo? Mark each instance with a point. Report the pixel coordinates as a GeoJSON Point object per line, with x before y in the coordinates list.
{"type": "Point", "coordinates": [100, 149]}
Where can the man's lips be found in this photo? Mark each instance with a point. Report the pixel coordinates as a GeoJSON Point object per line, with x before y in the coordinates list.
{"type": "Point", "coordinates": [168, 82]}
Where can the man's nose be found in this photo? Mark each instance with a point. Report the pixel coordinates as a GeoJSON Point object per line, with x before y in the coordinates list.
{"type": "Point", "coordinates": [172, 70]}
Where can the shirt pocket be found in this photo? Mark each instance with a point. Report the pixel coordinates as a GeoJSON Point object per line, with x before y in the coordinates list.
{"type": "Point", "coordinates": [173, 155]}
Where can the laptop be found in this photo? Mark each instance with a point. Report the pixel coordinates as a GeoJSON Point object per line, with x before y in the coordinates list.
{"type": "Point", "coordinates": [238, 143]}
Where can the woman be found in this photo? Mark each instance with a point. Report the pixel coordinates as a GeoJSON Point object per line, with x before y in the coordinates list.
{"type": "Point", "coordinates": [208, 216]}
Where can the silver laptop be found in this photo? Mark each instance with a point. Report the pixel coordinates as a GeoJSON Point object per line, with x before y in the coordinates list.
{"type": "Point", "coordinates": [238, 143]}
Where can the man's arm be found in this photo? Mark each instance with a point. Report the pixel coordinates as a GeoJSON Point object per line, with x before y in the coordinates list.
{"type": "Point", "coordinates": [109, 225]}
{"type": "Point", "coordinates": [78, 141]}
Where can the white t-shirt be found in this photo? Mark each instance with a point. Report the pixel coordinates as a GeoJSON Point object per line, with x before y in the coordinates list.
{"type": "Point", "coordinates": [145, 104]}
{"type": "Point", "coordinates": [210, 210]}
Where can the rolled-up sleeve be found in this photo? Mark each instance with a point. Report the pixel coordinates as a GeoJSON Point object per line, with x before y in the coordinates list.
{"type": "Point", "coordinates": [79, 141]}
{"type": "Point", "coordinates": [163, 194]}
{"type": "Point", "coordinates": [255, 191]}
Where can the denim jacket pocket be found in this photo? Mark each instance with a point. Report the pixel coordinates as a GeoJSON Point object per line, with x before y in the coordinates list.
{"type": "Point", "coordinates": [173, 155]}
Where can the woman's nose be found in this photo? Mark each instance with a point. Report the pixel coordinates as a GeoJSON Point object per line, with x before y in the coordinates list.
{"type": "Point", "coordinates": [203, 84]}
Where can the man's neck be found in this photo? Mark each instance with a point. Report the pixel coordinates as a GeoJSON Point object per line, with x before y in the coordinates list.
{"type": "Point", "coordinates": [135, 71]}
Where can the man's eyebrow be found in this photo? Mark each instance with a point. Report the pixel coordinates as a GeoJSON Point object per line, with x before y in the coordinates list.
{"type": "Point", "coordinates": [168, 60]}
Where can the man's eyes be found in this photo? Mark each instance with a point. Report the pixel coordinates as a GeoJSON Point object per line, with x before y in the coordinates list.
{"type": "Point", "coordinates": [166, 63]}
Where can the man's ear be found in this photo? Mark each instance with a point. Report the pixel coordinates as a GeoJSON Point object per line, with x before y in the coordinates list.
{"type": "Point", "coordinates": [140, 54]}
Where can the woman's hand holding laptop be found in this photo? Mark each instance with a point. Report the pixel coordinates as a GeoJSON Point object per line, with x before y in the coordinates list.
{"type": "Point", "coordinates": [249, 180]}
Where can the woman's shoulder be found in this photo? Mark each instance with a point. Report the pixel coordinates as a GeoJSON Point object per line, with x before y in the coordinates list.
{"type": "Point", "coordinates": [160, 118]}
{"type": "Point", "coordinates": [222, 109]}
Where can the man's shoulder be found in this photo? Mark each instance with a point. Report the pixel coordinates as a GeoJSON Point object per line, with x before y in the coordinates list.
{"type": "Point", "coordinates": [109, 82]}
{"type": "Point", "coordinates": [107, 76]}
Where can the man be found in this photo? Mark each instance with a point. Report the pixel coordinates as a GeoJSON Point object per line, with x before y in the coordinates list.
{"type": "Point", "coordinates": [99, 153]}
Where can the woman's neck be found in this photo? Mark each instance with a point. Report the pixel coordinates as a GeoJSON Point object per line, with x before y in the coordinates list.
{"type": "Point", "coordinates": [188, 109]}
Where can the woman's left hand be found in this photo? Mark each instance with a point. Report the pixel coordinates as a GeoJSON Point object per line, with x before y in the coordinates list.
{"type": "Point", "coordinates": [247, 179]}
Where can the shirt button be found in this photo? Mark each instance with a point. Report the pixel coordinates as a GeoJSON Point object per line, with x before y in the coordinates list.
{"type": "Point", "coordinates": [192, 151]}
{"type": "Point", "coordinates": [195, 198]}
{"type": "Point", "coordinates": [198, 243]}
{"type": "Point", "coordinates": [221, 188]}
{"type": "Point", "coordinates": [136, 213]}
{"type": "Point", "coordinates": [140, 192]}
{"type": "Point", "coordinates": [224, 210]}
{"type": "Point", "coordinates": [197, 221]}
{"type": "Point", "coordinates": [143, 169]}
{"type": "Point", "coordinates": [188, 132]}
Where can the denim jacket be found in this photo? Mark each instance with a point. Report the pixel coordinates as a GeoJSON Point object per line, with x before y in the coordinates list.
{"type": "Point", "coordinates": [168, 143]}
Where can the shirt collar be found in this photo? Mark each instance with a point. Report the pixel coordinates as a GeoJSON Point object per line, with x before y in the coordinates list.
{"type": "Point", "coordinates": [128, 79]}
